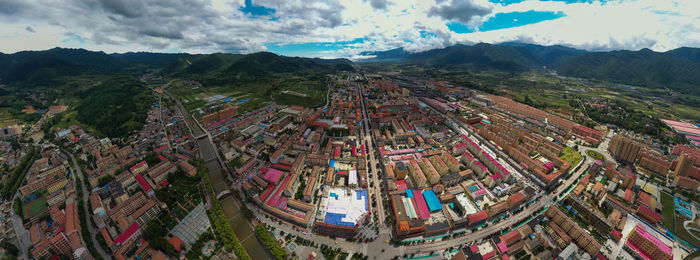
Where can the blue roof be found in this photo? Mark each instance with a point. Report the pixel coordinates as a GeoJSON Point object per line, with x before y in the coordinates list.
{"type": "Point", "coordinates": [432, 200]}
{"type": "Point", "coordinates": [332, 163]}
{"type": "Point", "coordinates": [337, 219]}
{"type": "Point", "coordinates": [409, 193]}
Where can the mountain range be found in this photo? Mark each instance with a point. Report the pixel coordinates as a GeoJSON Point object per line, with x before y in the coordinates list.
{"type": "Point", "coordinates": [677, 69]}
{"type": "Point", "coordinates": [37, 67]}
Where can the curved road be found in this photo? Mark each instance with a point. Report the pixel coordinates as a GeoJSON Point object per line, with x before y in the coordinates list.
{"type": "Point", "coordinates": [78, 175]}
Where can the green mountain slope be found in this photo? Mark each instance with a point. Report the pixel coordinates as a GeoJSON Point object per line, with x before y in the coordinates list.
{"type": "Point", "coordinates": [643, 68]}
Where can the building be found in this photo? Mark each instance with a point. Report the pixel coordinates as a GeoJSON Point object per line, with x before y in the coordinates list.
{"type": "Point", "coordinates": [654, 161]}
{"type": "Point", "coordinates": [60, 244]}
{"type": "Point", "coordinates": [648, 214]}
{"type": "Point", "coordinates": [10, 131]}
{"type": "Point", "coordinates": [685, 166]}
{"type": "Point", "coordinates": [401, 170]}
{"type": "Point", "coordinates": [131, 233]}
{"type": "Point", "coordinates": [307, 193]}
{"type": "Point", "coordinates": [43, 180]}
{"type": "Point", "coordinates": [624, 149]}
{"type": "Point", "coordinates": [188, 168]}
{"type": "Point", "coordinates": [589, 213]}
{"type": "Point", "coordinates": [648, 246]}
{"type": "Point", "coordinates": [569, 231]}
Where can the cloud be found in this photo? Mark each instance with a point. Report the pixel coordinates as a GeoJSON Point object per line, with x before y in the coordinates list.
{"type": "Point", "coordinates": [126, 8]}
{"type": "Point", "coordinates": [244, 26]}
{"type": "Point", "coordinates": [464, 11]}
{"type": "Point", "coordinates": [378, 4]}
{"type": "Point", "coordinates": [630, 25]}
{"type": "Point", "coordinates": [12, 7]}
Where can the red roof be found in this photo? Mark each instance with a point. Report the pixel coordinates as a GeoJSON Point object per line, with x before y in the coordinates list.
{"type": "Point", "coordinates": [127, 234]}
{"type": "Point", "coordinates": [161, 148]}
{"type": "Point", "coordinates": [144, 184]}
{"type": "Point", "coordinates": [644, 198]}
{"type": "Point", "coordinates": [479, 216]}
{"type": "Point", "coordinates": [628, 195]}
{"type": "Point", "coordinates": [176, 242]}
{"type": "Point", "coordinates": [517, 197]}
{"type": "Point", "coordinates": [649, 214]}
{"type": "Point", "coordinates": [162, 158]}
{"type": "Point", "coordinates": [474, 249]}
{"type": "Point", "coordinates": [489, 255]}
{"type": "Point", "coordinates": [401, 185]}
{"type": "Point", "coordinates": [138, 165]}
{"type": "Point", "coordinates": [511, 237]}
{"type": "Point", "coordinates": [616, 233]}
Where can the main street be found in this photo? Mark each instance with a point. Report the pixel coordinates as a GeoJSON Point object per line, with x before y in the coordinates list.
{"type": "Point", "coordinates": [78, 178]}
{"type": "Point", "coordinates": [372, 162]}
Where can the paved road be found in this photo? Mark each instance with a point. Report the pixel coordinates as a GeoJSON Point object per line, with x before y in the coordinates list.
{"type": "Point", "coordinates": [369, 141]}
{"type": "Point", "coordinates": [22, 234]}
{"type": "Point", "coordinates": [162, 124]}
{"type": "Point", "coordinates": [602, 148]}
{"type": "Point", "coordinates": [77, 173]}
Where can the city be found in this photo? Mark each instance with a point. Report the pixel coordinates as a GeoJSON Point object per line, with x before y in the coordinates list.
{"type": "Point", "coordinates": [379, 171]}
{"type": "Point", "coordinates": [350, 130]}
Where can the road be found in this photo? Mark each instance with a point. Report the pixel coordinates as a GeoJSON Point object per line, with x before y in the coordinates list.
{"type": "Point", "coordinates": [88, 213]}
{"type": "Point", "coordinates": [369, 145]}
{"type": "Point", "coordinates": [162, 124]}
{"type": "Point", "coordinates": [22, 235]}
{"type": "Point", "coordinates": [602, 148]}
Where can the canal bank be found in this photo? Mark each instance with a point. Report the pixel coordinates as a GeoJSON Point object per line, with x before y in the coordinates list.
{"type": "Point", "coordinates": [241, 227]}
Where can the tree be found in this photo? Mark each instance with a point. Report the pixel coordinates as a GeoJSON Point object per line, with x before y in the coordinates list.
{"type": "Point", "coordinates": [11, 249]}
{"type": "Point", "coordinates": [154, 233]}
{"type": "Point", "coordinates": [104, 180]}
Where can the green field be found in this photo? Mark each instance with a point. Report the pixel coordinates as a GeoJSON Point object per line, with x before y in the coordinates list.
{"type": "Point", "coordinates": [668, 210]}
{"type": "Point", "coordinates": [572, 156]}
{"type": "Point", "coordinates": [36, 206]}
{"type": "Point", "coordinates": [675, 223]}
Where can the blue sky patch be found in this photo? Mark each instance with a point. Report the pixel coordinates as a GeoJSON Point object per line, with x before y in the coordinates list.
{"type": "Point", "coordinates": [74, 39]}
{"type": "Point", "coordinates": [507, 20]}
{"type": "Point", "coordinates": [507, 2]}
{"type": "Point", "coordinates": [256, 10]}
{"type": "Point", "coordinates": [310, 49]}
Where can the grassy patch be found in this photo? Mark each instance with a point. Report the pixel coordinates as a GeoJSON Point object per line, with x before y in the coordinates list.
{"type": "Point", "coordinates": [572, 156]}
{"type": "Point", "coordinates": [668, 210]}
{"type": "Point", "coordinates": [194, 104]}
{"type": "Point", "coordinates": [595, 155]}
{"type": "Point", "coordinates": [683, 234]}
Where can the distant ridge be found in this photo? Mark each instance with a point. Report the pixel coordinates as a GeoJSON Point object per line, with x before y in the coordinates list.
{"type": "Point", "coordinates": [677, 69]}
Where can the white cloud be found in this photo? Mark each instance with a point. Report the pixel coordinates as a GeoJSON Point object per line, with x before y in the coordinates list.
{"type": "Point", "coordinates": [658, 25]}
{"type": "Point", "coordinates": [203, 26]}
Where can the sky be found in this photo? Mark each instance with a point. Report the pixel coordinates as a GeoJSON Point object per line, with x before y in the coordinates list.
{"type": "Point", "coordinates": [343, 28]}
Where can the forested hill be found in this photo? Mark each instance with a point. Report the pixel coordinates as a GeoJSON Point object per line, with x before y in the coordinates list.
{"type": "Point", "coordinates": [41, 67]}
{"type": "Point", "coordinates": [677, 69]}
{"type": "Point", "coordinates": [643, 68]}
{"type": "Point", "coordinates": [105, 91]}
